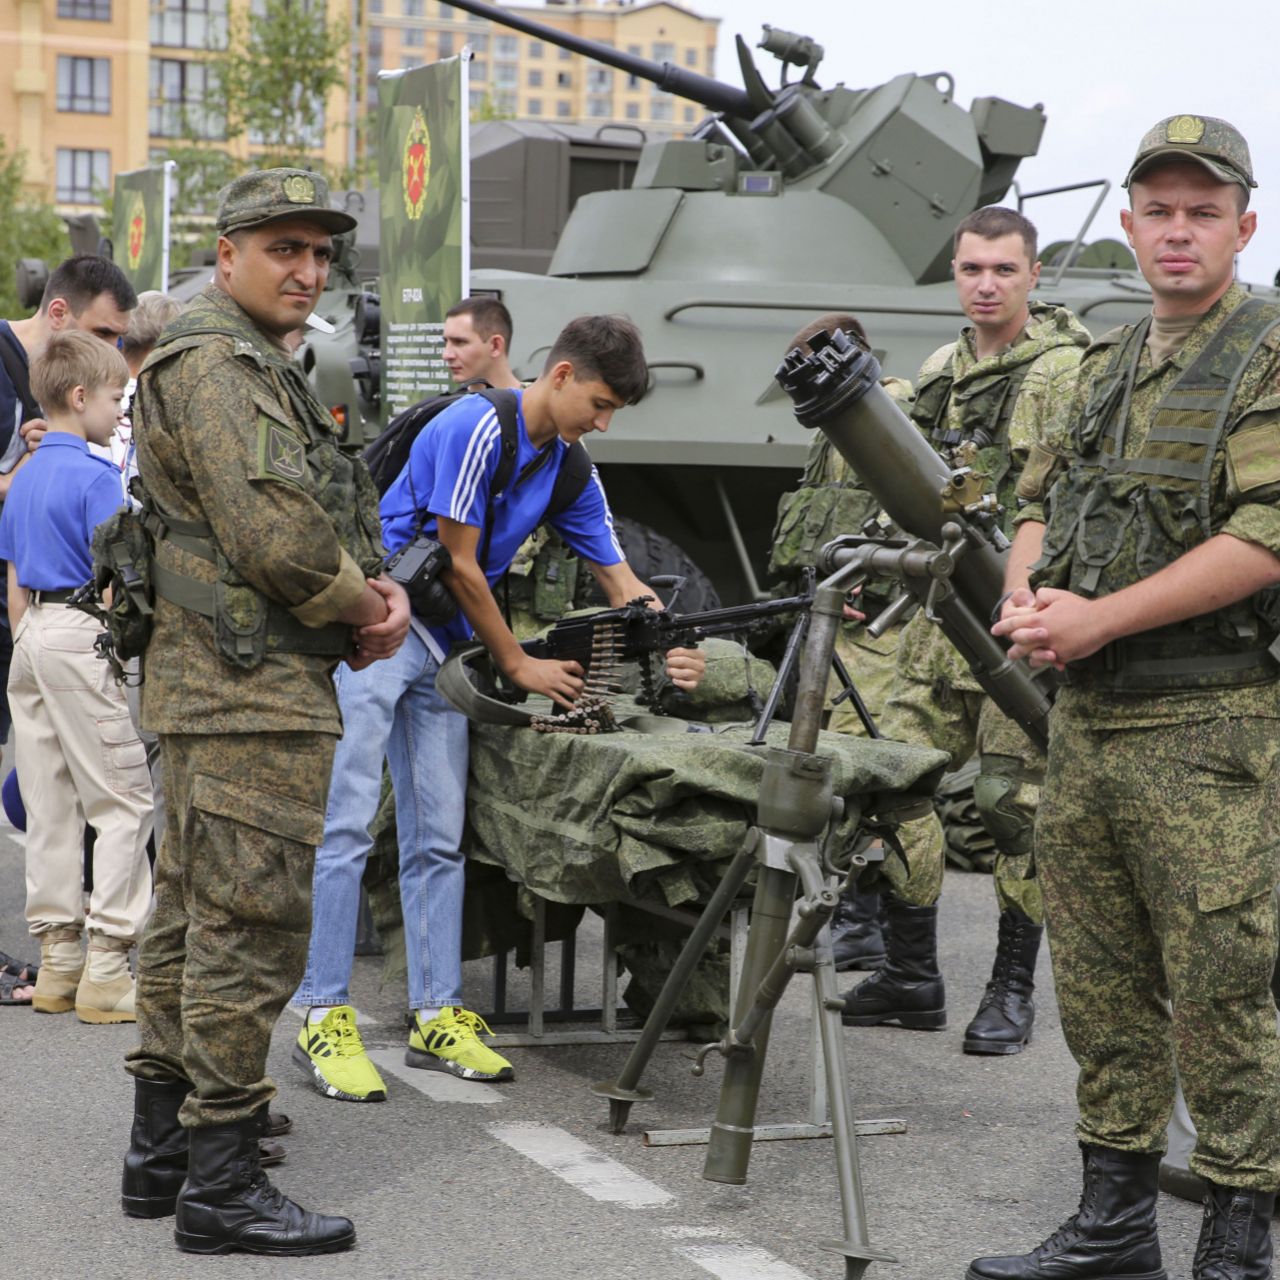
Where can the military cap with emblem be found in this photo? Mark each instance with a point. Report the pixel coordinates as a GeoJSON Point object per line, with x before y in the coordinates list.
{"type": "Point", "coordinates": [265, 195]}
{"type": "Point", "coordinates": [1218, 146]}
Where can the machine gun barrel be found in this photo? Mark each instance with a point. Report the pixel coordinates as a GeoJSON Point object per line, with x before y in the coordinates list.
{"type": "Point", "coordinates": [644, 630]}
{"type": "Point", "coordinates": [837, 388]}
{"type": "Point", "coordinates": [712, 94]}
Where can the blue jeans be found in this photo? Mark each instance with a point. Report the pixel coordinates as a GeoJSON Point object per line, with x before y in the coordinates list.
{"type": "Point", "coordinates": [392, 709]}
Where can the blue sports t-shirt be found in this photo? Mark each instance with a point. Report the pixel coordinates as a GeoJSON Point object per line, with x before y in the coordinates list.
{"type": "Point", "coordinates": [55, 503]}
{"type": "Point", "coordinates": [450, 470]}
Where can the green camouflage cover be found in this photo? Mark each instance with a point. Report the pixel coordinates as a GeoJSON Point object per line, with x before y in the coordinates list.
{"type": "Point", "coordinates": [595, 819]}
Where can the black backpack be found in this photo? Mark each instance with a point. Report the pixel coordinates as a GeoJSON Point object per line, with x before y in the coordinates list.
{"type": "Point", "coordinates": [387, 456]}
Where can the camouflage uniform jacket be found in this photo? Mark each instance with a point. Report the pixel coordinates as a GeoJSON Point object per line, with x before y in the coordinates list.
{"type": "Point", "coordinates": [220, 440]}
{"type": "Point", "coordinates": [1244, 496]}
{"type": "Point", "coordinates": [1050, 348]}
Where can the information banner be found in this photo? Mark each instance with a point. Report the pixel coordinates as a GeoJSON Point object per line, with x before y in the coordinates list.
{"type": "Point", "coordinates": [140, 225]}
{"type": "Point", "coordinates": [425, 241]}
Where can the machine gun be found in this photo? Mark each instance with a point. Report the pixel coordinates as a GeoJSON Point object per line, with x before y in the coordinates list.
{"type": "Point", "coordinates": [600, 642]}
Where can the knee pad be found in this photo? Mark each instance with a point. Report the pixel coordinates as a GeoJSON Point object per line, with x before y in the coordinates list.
{"type": "Point", "coordinates": [1006, 812]}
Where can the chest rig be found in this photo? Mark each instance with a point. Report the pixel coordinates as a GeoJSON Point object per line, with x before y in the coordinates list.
{"type": "Point", "coordinates": [247, 624]}
{"type": "Point", "coordinates": [982, 408]}
{"type": "Point", "coordinates": [1112, 520]}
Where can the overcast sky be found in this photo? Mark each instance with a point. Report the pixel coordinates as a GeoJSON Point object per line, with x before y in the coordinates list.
{"type": "Point", "coordinates": [1104, 71]}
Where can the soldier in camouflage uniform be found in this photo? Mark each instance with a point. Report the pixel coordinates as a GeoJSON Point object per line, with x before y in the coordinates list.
{"type": "Point", "coordinates": [999, 389]}
{"type": "Point", "coordinates": [266, 573]}
{"type": "Point", "coordinates": [1152, 565]}
{"type": "Point", "coordinates": [829, 501]}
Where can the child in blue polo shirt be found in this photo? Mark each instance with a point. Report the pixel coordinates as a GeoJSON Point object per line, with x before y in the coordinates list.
{"type": "Point", "coordinates": [78, 756]}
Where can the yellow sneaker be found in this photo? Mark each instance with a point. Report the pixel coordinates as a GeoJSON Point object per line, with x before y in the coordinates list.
{"type": "Point", "coordinates": [451, 1042]}
{"type": "Point", "coordinates": [332, 1054]}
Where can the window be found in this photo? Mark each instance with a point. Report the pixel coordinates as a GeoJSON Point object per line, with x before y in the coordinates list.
{"type": "Point", "coordinates": [636, 50]}
{"type": "Point", "coordinates": [599, 79]}
{"type": "Point", "coordinates": [534, 48]}
{"type": "Point", "coordinates": [478, 97]}
{"type": "Point", "coordinates": [535, 106]}
{"type": "Point", "coordinates": [84, 84]}
{"type": "Point", "coordinates": [599, 108]}
{"type": "Point", "coordinates": [564, 79]}
{"type": "Point", "coordinates": [565, 54]}
{"type": "Point", "coordinates": [86, 10]}
{"type": "Point", "coordinates": [177, 100]}
{"type": "Point", "coordinates": [564, 108]}
{"type": "Point", "coordinates": [375, 6]}
{"type": "Point", "coordinates": [535, 79]}
{"type": "Point", "coordinates": [660, 109]}
{"type": "Point", "coordinates": [664, 51]}
{"type": "Point", "coordinates": [506, 75]}
{"type": "Point", "coordinates": [478, 41]}
{"type": "Point", "coordinates": [445, 45]}
{"type": "Point", "coordinates": [410, 64]}
{"type": "Point", "coordinates": [506, 47]}
{"type": "Point", "coordinates": [688, 115]}
{"type": "Point", "coordinates": [412, 38]}
{"type": "Point", "coordinates": [446, 11]}
{"type": "Point", "coordinates": [633, 111]}
{"type": "Point", "coordinates": [479, 70]}
{"type": "Point", "coordinates": [82, 176]}
{"type": "Point", "coordinates": [375, 41]}
{"type": "Point", "coordinates": [189, 24]}
{"type": "Point", "coordinates": [634, 82]}
{"type": "Point", "coordinates": [691, 57]}
{"type": "Point", "coordinates": [412, 8]}
{"type": "Point", "coordinates": [504, 103]}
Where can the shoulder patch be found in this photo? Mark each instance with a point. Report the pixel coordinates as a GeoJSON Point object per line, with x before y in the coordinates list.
{"type": "Point", "coordinates": [281, 454]}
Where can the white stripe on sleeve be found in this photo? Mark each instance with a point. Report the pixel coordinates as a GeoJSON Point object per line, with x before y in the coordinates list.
{"type": "Point", "coordinates": [484, 436]}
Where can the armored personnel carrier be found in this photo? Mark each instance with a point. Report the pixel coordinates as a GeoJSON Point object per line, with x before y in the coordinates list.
{"type": "Point", "coordinates": [786, 201]}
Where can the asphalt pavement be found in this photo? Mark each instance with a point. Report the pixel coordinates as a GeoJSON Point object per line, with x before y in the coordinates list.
{"type": "Point", "coordinates": [450, 1181]}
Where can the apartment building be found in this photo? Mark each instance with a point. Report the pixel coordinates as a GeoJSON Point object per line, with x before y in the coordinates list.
{"type": "Point", "coordinates": [91, 88]}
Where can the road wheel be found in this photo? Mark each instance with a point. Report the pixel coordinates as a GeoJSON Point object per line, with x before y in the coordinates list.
{"type": "Point", "coordinates": [651, 555]}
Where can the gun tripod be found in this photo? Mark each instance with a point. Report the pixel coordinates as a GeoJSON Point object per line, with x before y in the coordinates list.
{"type": "Point", "coordinates": [796, 806]}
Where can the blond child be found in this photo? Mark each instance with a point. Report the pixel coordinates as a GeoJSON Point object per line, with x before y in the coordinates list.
{"type": "Point", "coordinates": [78, 756]}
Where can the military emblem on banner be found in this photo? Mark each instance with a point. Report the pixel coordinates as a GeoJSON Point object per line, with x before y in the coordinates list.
{"type": "Point", "coordinates": [416, 167]}
{"type": "Point", "coordinates": [137, 227]}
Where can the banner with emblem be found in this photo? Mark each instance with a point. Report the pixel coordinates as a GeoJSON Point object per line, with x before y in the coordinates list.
{"type": "Point", "coordinates": [425, 242]}
{"type": "Point", "coordinates": [140, 225]}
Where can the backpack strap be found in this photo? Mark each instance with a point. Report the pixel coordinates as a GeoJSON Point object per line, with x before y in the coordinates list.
{"type": "Point", "coordinates": [506, 405]}
{"type": "Point", "coordinates": [573, 478]}
{"type": "Point", "coordinates": [21, 379]}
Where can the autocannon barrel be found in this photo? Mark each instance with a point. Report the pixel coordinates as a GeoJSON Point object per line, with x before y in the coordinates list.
{"type": "Point", "coordinates": [712, 94]}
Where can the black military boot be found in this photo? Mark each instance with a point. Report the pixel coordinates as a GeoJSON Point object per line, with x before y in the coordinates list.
{"type": "Point", "coordinates": [1112, 1236]}
{"type": "Point", "coordinates": [228, 1205]}
{"type": "Point", "coordinates": [156, 1162]}
{"type": "Point", "coordinates": [856, 939]}
{"type": "Point", "coordinates": [907, 988]}
{"type": "Point", "coordinates": [1006, 1012]}
{"type": "Point", "coordinates": [1235, 1236]}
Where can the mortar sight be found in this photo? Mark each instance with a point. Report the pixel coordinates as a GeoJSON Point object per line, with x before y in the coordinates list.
{"type": "Point", "coordinates": [793, 49]}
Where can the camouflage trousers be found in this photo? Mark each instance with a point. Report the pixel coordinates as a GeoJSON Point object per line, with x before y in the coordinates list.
{"type": "Point", "coordinates": [227, 944]}
{"type": "Point", "coordinates": [1158, 851]}
{"type": "Point", "coordinates": [870, 663]}
{"type": "Point", "coordinates": [961, 722]}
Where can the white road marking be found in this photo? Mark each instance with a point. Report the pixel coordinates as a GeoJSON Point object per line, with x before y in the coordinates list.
{"type": "Point", "coordinates": [581, 1166]}
{"type": "Point", "coordinates": [437, 1085]}
{"type": "Point", "coordinates": [696, 1233]}
{"type": "Point", "coordinates": [739, 1262]}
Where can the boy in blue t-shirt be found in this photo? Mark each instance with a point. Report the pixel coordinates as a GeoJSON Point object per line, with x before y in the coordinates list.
{"type": "Point", "coordinates": [596, 367]}
{"type": "Point", "coordinates": [78, 756]}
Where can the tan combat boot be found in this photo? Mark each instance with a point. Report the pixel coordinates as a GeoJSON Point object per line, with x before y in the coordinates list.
{"type": "Point", "coordinates": [61, 964]}
{"type": "Point", "coordinates": [105, 993]}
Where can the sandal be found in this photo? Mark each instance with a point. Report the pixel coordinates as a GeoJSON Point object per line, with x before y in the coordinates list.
{"type": "Point", "coordinates": [24, 970]}
{"type": "Point", "coordinates": [15, 989]}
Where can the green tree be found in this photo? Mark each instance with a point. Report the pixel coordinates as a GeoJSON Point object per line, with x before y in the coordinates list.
{"type": "Point", "coordinates": [28, 229]}
{"type": "Point", "coordinates": [271, 82]}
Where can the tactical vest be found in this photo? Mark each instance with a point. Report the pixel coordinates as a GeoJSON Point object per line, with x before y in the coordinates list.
{"type": "Point", "coordinates": [985, 408]}
{"type": "Point", "coordinates": [247, 624]}
{"type": "Point", "coordinates": [819, 510]}
{"type": "Point", "coordinates": [1112, 520]}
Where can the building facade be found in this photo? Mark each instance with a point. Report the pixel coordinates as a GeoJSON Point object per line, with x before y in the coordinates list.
{"type": "Point", "coordinates": [92, 88]}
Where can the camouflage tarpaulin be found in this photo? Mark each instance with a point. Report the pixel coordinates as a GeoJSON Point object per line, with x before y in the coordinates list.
{"type": "Point", "coordinates": [582, 819]}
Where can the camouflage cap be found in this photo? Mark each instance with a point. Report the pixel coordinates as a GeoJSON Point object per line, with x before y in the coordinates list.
{"type": "Point", "coordinates": [1220, 147]}
{"type": "Point", "coordinates": [264, 195]}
